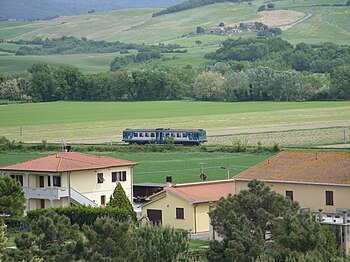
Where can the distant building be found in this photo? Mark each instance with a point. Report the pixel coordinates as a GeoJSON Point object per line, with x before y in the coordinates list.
{"type": "Point", "coordinates": [187, 205]}
{"type": "Point", "coordinates": [71, 178]}
{"type": "Point", "coordinates": [316, 180]}
{"type": "Point", "coordinates": [222, 30]}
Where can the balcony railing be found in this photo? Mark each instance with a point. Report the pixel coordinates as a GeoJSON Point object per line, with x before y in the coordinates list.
{"type": "Point", "coordinates": [56, 193]}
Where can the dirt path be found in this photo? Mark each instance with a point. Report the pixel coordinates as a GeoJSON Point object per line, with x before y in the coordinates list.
{"type": "Point", "coordinates": [276, 128]}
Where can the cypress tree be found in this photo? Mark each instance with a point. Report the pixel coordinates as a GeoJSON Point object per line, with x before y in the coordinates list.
{"type": "Point", "coordinates": [119, 200]}
{"type": "Point", "coordinates": [3, 237]}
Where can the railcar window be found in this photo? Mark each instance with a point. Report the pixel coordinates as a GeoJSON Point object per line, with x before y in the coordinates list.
{"type": "Point", "coordinates": [167, 134]}
{"type": "Point", "coordinates": [146, 134]}
{"type": "Point", "coordinates": [178, 134]}
{"type": "Point", "coordinates": [190, 135]}
{"type": "Point", "coordinates": [184, 135]}
{"type": "Point", "coordinates": [141, 134]}
{"type": "Point", "coordinates": [172, 135]}
{"type": "Point", "coordinates": [152, 135]}
{"type": "Point", "coordinates": [136, 134]}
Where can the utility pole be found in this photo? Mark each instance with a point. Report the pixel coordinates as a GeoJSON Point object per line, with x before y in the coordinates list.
{"type": "Point", "coordinates": [202, 168]}
{"type": "Point", "coordinates": [345, 137]}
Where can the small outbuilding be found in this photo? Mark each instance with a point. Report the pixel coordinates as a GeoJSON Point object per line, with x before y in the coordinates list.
{"type": "Point", "coordinates": [186, 206]}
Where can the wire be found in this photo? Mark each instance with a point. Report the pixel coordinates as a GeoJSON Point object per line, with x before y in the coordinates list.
{"type": "Point", "coordinates": [178, 170]}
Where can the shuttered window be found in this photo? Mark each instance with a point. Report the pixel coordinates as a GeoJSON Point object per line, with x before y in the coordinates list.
{"type": "Point", "coordinates": [329, 198]}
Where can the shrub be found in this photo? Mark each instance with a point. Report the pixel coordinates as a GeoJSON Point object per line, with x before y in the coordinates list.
{"type": "Point", "coordinates": [82, 214]}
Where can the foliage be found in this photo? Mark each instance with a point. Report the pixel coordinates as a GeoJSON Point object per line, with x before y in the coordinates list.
{"type": "Point", "coordinates": [340, 82]}
{"type": "Point", "coordinates": [120, 201]}
{"type": "Point", "coordinates": [12, 198]}
{"type": "Point", "coordinates": [72, 45]}
{"type": "Point", "coordinates": [52, 238]}
{"type": "Point", "coordinates": [81, 215]}
{"type": "Point", "coordinates": [208, 86]}
{"type": "Point", "coordinates": [3, 237]}
{"type": "Point", "coordinates": [261, 206]}
{"type": "Point", "coordinates": [111, 240]}
{"type": "Point", "coordinates": [162, 243]}
{"type": "Point", "coordinates": [302, 235]}
{"type": "Point", "coordinates": [242, 240]}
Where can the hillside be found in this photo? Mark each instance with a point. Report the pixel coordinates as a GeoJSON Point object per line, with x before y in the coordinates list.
{"type": "Point", "coordinates": [41, 9]}
{"type": "Point", "coordinates": [321, 21]}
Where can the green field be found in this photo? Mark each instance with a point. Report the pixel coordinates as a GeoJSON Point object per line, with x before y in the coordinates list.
{"type": "Point", "coordinates": [182, 166]}
{"type": "Point", "coordinates": [327, 23]}
{"type": "Point", "coordinates": [102, 121]}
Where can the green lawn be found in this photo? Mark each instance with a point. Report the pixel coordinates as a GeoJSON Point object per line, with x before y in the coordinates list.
{"type": "Point", "coordinates": [88, 121]}
{"type": "Point", "coordinates": [182, 166]}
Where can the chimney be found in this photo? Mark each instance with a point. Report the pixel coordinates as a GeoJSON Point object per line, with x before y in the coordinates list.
{"type": "Point", "coordinates": [169, 181]}
{"type": "Point", "coordinates": [67, 148]}
{"type": "Point", "coordinates": [320, 214]}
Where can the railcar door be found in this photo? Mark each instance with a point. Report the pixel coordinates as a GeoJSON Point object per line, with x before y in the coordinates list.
{"type": "Point", "coordinates": [159, 137]}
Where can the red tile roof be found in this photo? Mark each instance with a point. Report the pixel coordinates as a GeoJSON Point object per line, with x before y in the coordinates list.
{"type": "Point", "coordinates": [302, 167]}
{"type": "Point", "coordinates": [67, 161]}
{"type": "Point", "coordinates": [204, 191]}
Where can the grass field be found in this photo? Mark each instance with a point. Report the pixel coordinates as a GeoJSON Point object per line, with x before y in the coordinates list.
{"type": "Point", "coordinates": [102, 121]}
{"type": "Point", "coordinates": [327, 23]}
{"type": "Point", "coordinates": [182, 166]}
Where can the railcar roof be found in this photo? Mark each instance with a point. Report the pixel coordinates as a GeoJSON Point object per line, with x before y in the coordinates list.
{"type": "Point", "coordinates": [165, 130]}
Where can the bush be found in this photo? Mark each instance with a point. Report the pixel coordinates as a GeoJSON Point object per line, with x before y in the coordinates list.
{"type": "Point", "coordinates": [82, 214]}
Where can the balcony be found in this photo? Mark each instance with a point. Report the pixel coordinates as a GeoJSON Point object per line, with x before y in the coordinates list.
{"type": "Point", "coordinates": [54, 193]}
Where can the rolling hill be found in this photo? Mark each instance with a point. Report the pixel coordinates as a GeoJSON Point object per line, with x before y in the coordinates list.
{"type": "Point", "coordinates": [324, 21]}
{"type": "Point", "coordinates": [42, 9]}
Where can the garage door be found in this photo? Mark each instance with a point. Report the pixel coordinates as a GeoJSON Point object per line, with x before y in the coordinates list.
{"type": "Point", "coordinates": [155, 216]}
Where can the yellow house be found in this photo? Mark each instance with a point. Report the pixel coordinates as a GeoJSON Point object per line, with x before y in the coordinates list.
{"type": "Point", "coordinates": [186, 206]}
{"type": "Point", "coordinates": [71, 178]}
{"type": "Point", "coordinates": [316, 180]}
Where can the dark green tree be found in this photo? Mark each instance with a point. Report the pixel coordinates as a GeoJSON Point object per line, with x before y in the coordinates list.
{"type": "Point", "coordinates": [119, 200]}
{"type": "Point", "coordinates": [221, 24]}
{"type": "Point", "coordinates": [261, 206]}
{"type": "Point", "coordinates": [53, 238]}
{"type": "Point", "coordinates": [111, 240]}
{"type": "Point", "coordinates": [242, 240]}
{"type": "Point", "coordinates": [11, 197]}
{"type": "Point", "coordinates": [162, 243]}
{"type": "Point", "coordinates": [300, 235]}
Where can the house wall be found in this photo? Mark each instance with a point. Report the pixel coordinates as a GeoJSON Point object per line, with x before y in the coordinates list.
{"type": "Point", "coordinates": [310, 196]}
{"type": "Point", "coordinates": [85, 182]}
{"type": "Point", "coordinates": [196, 215]}
{"type": "Point", "coordinates": [168, 205]}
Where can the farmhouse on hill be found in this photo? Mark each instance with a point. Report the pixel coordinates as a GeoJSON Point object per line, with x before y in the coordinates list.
{"type": "Point", "coordinates": [316, 180]}
{"type": "Point", "coordinates": [187, 205]}
{"type": "Point", "coordinates": [71, 178]}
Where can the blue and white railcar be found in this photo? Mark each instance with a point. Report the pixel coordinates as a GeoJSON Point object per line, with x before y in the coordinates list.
{"type": "Point", "coordinates": [162, 135]}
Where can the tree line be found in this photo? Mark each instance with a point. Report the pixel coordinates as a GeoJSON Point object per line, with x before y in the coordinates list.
{"type": "Point", "coordinates": [221, 82]}
{"type": "Point", "coordinates": [73, 45]}
{"type": "Point", "coordinates": [190, 5]}
{"type": "Point", "coordinates": [317, 58]}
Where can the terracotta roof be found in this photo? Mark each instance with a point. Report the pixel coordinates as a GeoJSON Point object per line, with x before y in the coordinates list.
{"type": "Point", "coordinates": [67, 161]}
{"type": "Point", "coordinates": [204, 191]}
{"type": "Point", "coordinates": [305, 167]}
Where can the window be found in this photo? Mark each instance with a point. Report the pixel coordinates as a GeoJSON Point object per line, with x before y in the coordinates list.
{"type": "Point", "coordinates": [184, 135]}
{"type": "Point", "coordinates": [146, 134]}
{"type": "Point", "coordinates": [41, 181]}
{"type": "Point", "coordinates": [18, 178]}
{"type": "Point", "coordinates": [56, 181]}
{"type": "Point", "coordinates": [180, 213]}
{"type": "Point", "coordinates": [172, 134]}
{"type": "Point", "coordinates": [100, 178]}
{"type": "Point", "coordinates": [136, 134]}
{"type": "Point", "coordinates": [289, 194]}
{"type": "Point", "coordinates": [42, 203]}
{"type": "Point", "coordinates": [167, 134]}
{"type": "Point", "coordinates": [119, 176]}
{"type": "Point", "coordinates": [141, 134]}
{"type": "Point", "coordinates": [329, 198]}
{"type": "Point", "coordinates": [178, 134]}
{"type": "Point", "coordinates": [103, 200]}
{"type": "Point", "coordinates": [153, 134]}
